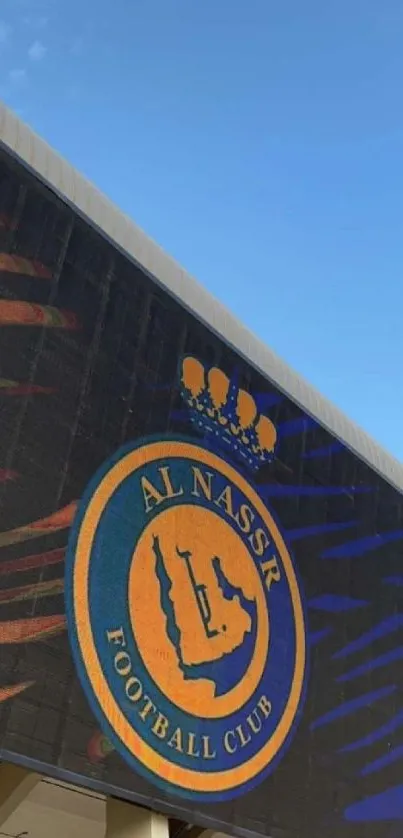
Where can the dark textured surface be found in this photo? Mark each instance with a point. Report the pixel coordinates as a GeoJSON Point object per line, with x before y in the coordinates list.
{"type": "Point", "coordinates": [115, 379]}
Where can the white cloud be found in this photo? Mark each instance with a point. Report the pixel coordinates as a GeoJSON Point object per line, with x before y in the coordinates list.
{"type": "Point", "coordinates": [4, 32]}
{"type": "Point", "coordinates": [37, 51]}
{"type": "Point", "coordinates": [17, 76]}
{"type": "Point", "coordinates": [36, 22]}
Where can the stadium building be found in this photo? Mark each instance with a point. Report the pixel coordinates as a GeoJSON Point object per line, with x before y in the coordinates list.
{"type": "Point", "coordinates": [201, 578]}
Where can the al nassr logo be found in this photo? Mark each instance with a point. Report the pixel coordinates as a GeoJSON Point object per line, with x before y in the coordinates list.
{"type": "Point", "coordinates": [183, 604]}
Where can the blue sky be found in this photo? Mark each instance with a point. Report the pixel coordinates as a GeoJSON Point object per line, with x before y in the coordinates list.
{"type": "Point", "coordinates": [260, 144]}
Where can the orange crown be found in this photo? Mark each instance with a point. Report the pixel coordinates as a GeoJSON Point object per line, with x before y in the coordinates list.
{"type": "Point", "coordinates": [220, 409]}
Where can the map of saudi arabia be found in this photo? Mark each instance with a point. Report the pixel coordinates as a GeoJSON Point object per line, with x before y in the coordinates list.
{"type": "Point", "coordinates": [224, 668]}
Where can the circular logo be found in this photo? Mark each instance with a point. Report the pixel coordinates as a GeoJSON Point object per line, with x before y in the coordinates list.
{"type": "Point", "coordinates": [186, 619]}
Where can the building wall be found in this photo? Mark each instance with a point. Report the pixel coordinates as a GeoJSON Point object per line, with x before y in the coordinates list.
{"type": "Point", "coordinates": [90, 355]}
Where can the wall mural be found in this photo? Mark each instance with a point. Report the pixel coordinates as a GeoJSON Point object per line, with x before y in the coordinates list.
{"type": "Point", "coordinates": [200, 589]}
{"type": "Point", "coordinates": [190, 634]}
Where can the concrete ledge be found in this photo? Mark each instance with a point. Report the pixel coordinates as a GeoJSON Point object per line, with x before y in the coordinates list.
{"type": "Point", "coordinates": [15, 785]}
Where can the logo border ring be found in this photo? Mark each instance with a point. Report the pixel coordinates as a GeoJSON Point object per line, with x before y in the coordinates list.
{"type": "Point", "coordinates": [144, 759]}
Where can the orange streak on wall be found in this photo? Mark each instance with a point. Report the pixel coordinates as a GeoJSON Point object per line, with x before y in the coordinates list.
{"type": "Point", "coordinates": [60, 520]}
{"type": "Point", "coordinates": [33, 628]}
{"type": "Point", "coordinates": [11, 692]}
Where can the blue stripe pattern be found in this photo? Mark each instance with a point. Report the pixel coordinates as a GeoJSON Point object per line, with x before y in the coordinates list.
{"type": "Point", "coordinates": [375, 663]}
{"type": "Point", "coordinates": [336, 604]}
{"type": "Point", "coordinates": [388, 626]}
{"type": "Point", "coordinates": [382, 762]}
{"type": "Point", "coordinates": [376, 735]}
{"type": "Point", "coordinates": [352, 549]}
{"type": "Point", "coordinates": [386, 806]}
{"type": "Point", "coordinates": [325, 451]}
{"type": "Point", "coordinates": [316, 636]}
{"type": "Point", "coordinates": [318, 529]}
{"type": "Point", "coordinates": [352, 706]}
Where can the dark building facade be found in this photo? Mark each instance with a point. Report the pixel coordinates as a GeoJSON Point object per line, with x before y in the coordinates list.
{"type": "Point", "coordinates": [200, 583]}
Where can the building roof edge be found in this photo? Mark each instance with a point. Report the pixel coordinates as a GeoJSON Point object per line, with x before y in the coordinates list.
{"type": "Point", "coordinates": [85, 198]}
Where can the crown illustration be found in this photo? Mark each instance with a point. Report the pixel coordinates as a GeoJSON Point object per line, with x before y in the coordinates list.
{"type": "Point", "coordinates": [221, 410]}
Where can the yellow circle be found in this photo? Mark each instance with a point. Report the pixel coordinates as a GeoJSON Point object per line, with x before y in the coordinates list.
{"type": "Point", "coordinates": [203, 533]}
{"type": "Point", "coordinates": [196, 781]}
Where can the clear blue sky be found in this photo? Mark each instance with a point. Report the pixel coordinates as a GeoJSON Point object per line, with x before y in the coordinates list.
{"type": "Point", "coordinates": [259, 143]}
